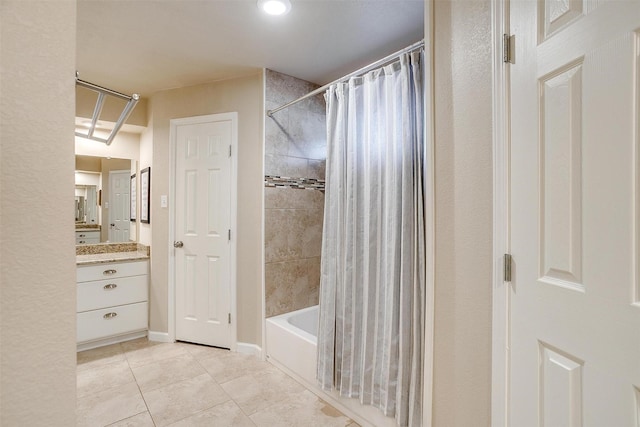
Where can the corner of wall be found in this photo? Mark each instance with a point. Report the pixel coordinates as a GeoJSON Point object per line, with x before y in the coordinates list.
{"type": "Point", "coordinates": [37, 274]}
{"type": "Point", "coordinates": [463, 213]}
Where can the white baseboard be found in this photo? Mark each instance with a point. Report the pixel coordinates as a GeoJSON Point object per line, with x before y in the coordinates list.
{"type": "Point", "coordinates": [159, 336]}
{"type": "Point", "coordinates": [246, 348]}
{"type": "Point", "coordinates": [110, 340]}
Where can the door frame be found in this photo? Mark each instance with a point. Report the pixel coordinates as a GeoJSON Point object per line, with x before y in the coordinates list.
{"type": "Point", "coordinates": [500, 357]}
{"type": "Point", "coordinates": [173, 124]}
{"type": "Point", "coordinates": [430, 215]}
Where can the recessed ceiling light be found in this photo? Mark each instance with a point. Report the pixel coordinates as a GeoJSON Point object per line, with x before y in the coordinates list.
{"type": "Point", "coordinates": [275, 7]}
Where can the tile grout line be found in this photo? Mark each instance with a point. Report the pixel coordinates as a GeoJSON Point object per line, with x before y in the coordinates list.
{"type": "Point", "coordinates": [137, 385]}
{"type": "Point", "coordinates": [140, 391]}
{"type": "Point", "coordinates": [213, 406]}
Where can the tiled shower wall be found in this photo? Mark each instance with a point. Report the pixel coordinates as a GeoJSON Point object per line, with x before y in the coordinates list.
{"type": "Point", "coordinates": [295, 148]}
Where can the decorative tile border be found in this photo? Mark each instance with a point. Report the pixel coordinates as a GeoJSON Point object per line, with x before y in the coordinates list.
{"type": "Point", "coordinates": [295, 183]}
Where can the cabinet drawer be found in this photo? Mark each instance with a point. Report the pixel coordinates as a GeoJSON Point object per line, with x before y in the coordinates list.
{"type": "Point", "coordinates": [88, 234]}
{"type": "Point", "coordinates": [111, 270]}
{"type": "Point", "coordinates": [87, 240]}
{"type": "Point", "coordinates": [110, 292]}
{"type": "Point", "coordinates": [93, 325]}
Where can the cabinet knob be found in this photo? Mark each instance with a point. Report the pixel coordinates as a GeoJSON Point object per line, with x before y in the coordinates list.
{"type": "Point", "coordinates": [109, 286]}
{"type": "Point", "coordinates": [109, 272]}
{"type": "Point", "coordinates": [110, 315]}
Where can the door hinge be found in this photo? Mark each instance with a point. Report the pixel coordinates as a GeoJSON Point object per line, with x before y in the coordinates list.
{"type": "Point", "coordinates": [508, 49]}
{"type": "Point", "coordinates": [507, 267]}
{"type": "Point", "coordinates": [229, 235]}
{"type": "Point", "coordinates": [229, 317]}
{"type": "Point", "coordinates": [229, 151]}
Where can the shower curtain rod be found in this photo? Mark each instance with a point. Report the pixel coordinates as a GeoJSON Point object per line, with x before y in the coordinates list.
{"type": "Point", "coordinates": [362, 70]}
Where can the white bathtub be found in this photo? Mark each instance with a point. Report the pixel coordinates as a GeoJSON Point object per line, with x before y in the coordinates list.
{"type": "Point", "coordinates": [291, 342]}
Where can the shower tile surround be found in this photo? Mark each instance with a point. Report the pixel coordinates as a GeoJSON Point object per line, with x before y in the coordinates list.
{"type": "Point", "coordinates": [295, 153]}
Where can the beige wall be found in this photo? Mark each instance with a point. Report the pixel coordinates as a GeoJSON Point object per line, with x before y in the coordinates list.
{"type": "Point", "coordinates": [37, 268]}
{"type": "Point", "coordinates": [245, 96]}
{"type": "Point", "coordinates": [463, 156]}
{"type": "Point", "coordinates": [146, 160]}
{"type": "Point", "coordinates": [124, 146]}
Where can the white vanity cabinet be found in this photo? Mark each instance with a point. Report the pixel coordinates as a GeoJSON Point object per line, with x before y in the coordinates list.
{"type": "Point", "coordinates": [112, 302]}
{"type": "Point", "coordinates": [87, 236]}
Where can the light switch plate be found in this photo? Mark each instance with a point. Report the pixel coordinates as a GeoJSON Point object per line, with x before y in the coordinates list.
{"type": "Point", "coordinates": [163, 201]}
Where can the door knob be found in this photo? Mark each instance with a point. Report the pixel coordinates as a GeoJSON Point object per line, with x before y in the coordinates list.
{"type": "Point", "coordinates": [178, 244]}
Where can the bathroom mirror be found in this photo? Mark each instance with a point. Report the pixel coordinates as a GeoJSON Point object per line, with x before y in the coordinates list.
{"type": "Point", "coordinates": [102, 200]}
{"type": "Point", "coordinates": [86, 208]}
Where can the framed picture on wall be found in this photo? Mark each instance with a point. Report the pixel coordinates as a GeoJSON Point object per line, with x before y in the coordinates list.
{"type": "Point", "coordinates": [145, 192]}
{"type": "Point", "coordinates": [132, 216]}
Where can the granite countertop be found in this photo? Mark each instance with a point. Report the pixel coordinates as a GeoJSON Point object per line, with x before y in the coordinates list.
{"type": "Point", "coordinates": [87, 227]}
{"type": "Point", "coordinates": [110, 252]}
{"type": "Point", "coordinates": [110, 257]}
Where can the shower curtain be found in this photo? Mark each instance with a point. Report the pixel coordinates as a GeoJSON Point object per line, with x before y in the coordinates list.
{"type": "Point", "coordinates": [373, 246]}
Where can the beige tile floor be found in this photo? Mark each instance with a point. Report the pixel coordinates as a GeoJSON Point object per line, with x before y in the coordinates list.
{"type": "Point", "coordinates": [141, 383]}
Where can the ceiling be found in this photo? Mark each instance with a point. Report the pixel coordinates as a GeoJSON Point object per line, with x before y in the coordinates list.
{"type": "Point", "coordinates": [143, 46]}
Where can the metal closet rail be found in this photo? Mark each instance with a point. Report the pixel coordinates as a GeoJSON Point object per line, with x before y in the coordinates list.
{"type": "Point", "coordinates": [103, 92]}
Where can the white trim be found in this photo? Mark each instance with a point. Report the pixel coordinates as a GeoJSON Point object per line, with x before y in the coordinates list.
{"type": "Point", "coordinates": [110, 340]}
{"type": "Point", "coordinates": [159, 336]}
{"type": "Point", "coordinates": [429, 170]}
{"type": "Point", "coordinates": [501, 180]}
{"type": "Point", "coordinates": [263, 289]}
{"type": "Point", "coordinates": [171, 285]}
{"type": "Point", "coordinates": [234, 225]}
{"type": "Point", "coordinates": [233, 117]}
{"type": "Point", "coordinates": [247, 348]}
{"type": "Point", "coordinates": [635, 298]}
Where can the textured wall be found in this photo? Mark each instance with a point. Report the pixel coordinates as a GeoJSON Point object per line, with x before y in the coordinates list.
{"type": "Point", "coordinates": [463, 251]}
{"type": "Point", "coordinates": [37, 252]}
{"type": "Point", "coordinates": [295, 147]}
{"type": "Point", "coordinates": [242, 95]}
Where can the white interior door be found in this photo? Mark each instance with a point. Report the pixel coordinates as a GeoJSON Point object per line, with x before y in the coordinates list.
{"type": "Point", "coordinates": [203, 208]}
{"type": "Point", "coordinates": [119, 200]}
{"type": "Point", "coordinates": [574, 313]}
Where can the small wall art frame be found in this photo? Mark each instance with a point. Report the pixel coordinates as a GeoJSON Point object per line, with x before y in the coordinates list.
{"type": "Point", "coordinates": [145, 193]}
{"type": "Point", "coordinates": [132, 215]}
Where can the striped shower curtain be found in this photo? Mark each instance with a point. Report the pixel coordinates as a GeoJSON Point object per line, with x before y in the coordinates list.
{"type": "Point", "coordinates": [370, 340]}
